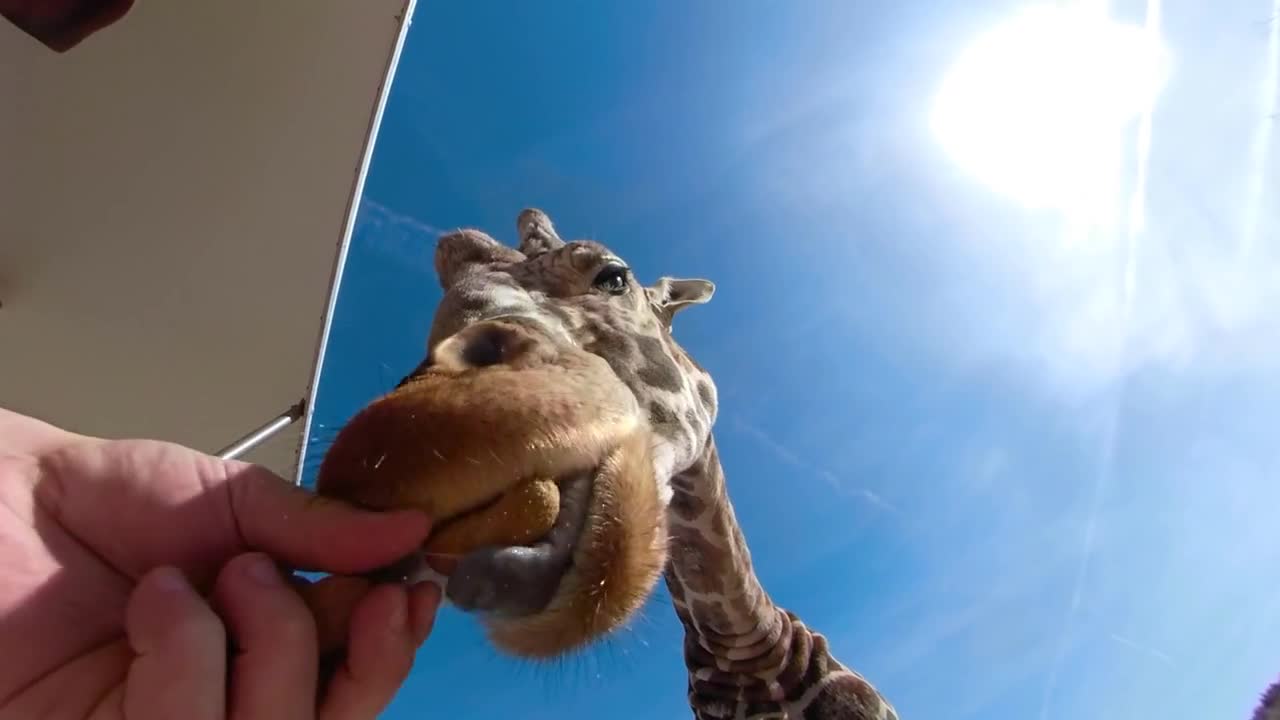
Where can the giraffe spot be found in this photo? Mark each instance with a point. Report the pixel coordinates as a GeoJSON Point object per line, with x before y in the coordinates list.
{"type": "Point", "coordinates": [660, 416]}
{"type": "Point", "coordinates": [845, 696]}
{"type": "Point", "coordinates": [710, 613]}
{"type": "Point", "coordinates": [686, 505]}
{"type": "Point", "coordinates": [609, 343]}
{"type": "Point", "coordinates": [696, 657]}
{"type": "Point", "coordinates": [616, 348]}
{"type": "Point", "coordinates": [691, 559]}
{"type": "Point", "coordinates": [799, 674]}
{"type": "Point", "coordinates": [659, 370]}
{"type": "Point", "coordinates": [676, 589]}
{"type": "Point", "coordinates": [665, 422]}
{"type": "Point", "coordinates": [664, 378]}
{"type": "Point", "coordinates": [710, 708]}
{"type": "Point", "coordinates": [682, 483]}
{"type": "Point", "coordinates": [743, 605]}
{"type": "Point", "coordinates": [707, 394]}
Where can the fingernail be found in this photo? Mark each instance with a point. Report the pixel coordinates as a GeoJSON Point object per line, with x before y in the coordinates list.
{"type": "Point", "coordinates": [261, 570]}
{"type": "Point", "coordinates": [425, 604]}
{"type": "Point", "coordinates": [169, 579]}
{"type": "Point", "coordinates": [434, 594]}
{"type": "Point", "coordinates": [399, 612]}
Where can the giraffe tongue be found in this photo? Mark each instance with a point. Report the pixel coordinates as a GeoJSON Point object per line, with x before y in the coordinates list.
{"type": "Point", "coordinates": [520, 580]}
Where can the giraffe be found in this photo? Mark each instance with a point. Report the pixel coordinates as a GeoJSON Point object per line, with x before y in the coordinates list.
{"type": "Point", "coordinates": [551, 360]}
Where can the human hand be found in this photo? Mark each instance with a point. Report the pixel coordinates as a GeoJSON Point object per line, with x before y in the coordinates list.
{"type": "Point", "coordinates": [138, 580]}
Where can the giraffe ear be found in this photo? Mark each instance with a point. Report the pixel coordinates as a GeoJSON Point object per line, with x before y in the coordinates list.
{"type": "Point", "coordinates": [537, 234]}
{"type": "Point", "coordinates": [671, 295]}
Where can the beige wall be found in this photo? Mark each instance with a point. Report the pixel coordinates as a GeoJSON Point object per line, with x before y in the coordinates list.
{"type": "Point", "coordinates": [172, 196]}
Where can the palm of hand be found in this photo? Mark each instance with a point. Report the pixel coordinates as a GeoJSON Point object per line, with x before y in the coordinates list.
{"type": "Point", "coordinates": [82, 523]}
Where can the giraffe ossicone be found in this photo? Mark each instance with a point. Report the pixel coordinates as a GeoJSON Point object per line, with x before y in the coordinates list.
{"type": "Point", "coordinates": [548, 361]}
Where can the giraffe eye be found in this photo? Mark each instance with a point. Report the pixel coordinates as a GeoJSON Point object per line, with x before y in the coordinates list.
{"type": "Point", "coordinates": [612, 279]}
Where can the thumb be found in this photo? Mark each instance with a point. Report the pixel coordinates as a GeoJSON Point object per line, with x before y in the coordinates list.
{"type": "Point", "coordinates": [310, 532]}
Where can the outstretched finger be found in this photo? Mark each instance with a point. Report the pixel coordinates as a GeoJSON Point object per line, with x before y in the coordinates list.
{"type": "Point", "coordinates": [181, 652]}
{"type": "Point", "coordinates": [202, 511]}
{"type": "Point", "coordinates": [307, 531]}
{"type": "Point", "coordinates": [387, 628]}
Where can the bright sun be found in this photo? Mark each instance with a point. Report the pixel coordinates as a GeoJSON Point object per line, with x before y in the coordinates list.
{"type": "Point", "coordinates": [1038, 107]}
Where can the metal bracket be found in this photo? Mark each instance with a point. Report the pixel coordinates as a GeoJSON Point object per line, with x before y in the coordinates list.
{"type": "Point", "coordinates": [264, 433]}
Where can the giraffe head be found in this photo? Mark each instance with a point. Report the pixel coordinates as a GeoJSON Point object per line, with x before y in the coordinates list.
{"type": "Point", "coordinates": [547, 361]}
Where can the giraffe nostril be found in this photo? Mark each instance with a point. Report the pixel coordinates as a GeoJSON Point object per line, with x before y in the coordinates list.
{"type": "Point", "coordinates": [491, 343]}
{"type": "Point", "coordinates": [486, 348]}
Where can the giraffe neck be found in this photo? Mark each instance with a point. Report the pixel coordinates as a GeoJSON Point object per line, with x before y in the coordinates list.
{"type": "Point", "coordinates": [747, 657]}
{"type": "Point", "coordinates": [714, 587]}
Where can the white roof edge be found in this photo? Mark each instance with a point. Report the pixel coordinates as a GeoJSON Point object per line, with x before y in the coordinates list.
{"type": "Point", "coordinates": [353, 209]}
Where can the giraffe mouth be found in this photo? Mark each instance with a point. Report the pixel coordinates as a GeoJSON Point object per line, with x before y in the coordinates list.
{"type": "Point", "coordinates": [507, 477]}
{"type": "Point", "coordinates": [508, 556]}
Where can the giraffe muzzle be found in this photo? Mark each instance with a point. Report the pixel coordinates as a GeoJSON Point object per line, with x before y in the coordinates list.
{"type": "Point", "coordinates": [503, 439]}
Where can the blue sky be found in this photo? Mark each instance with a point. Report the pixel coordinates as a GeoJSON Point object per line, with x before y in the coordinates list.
{"type": "Point", "coordinates": [1002, 484]}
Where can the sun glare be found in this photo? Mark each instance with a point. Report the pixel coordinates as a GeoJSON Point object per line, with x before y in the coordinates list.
{"type": "Point", "coordinates": [1039, 107]}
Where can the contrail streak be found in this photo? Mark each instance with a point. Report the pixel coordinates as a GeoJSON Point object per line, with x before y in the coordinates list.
{"type": "Point", "coordinates": [1261, 149]}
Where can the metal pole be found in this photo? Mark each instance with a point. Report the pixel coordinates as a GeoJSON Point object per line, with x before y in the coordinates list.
{"type": "Point", "coordinates": [262, 434]}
